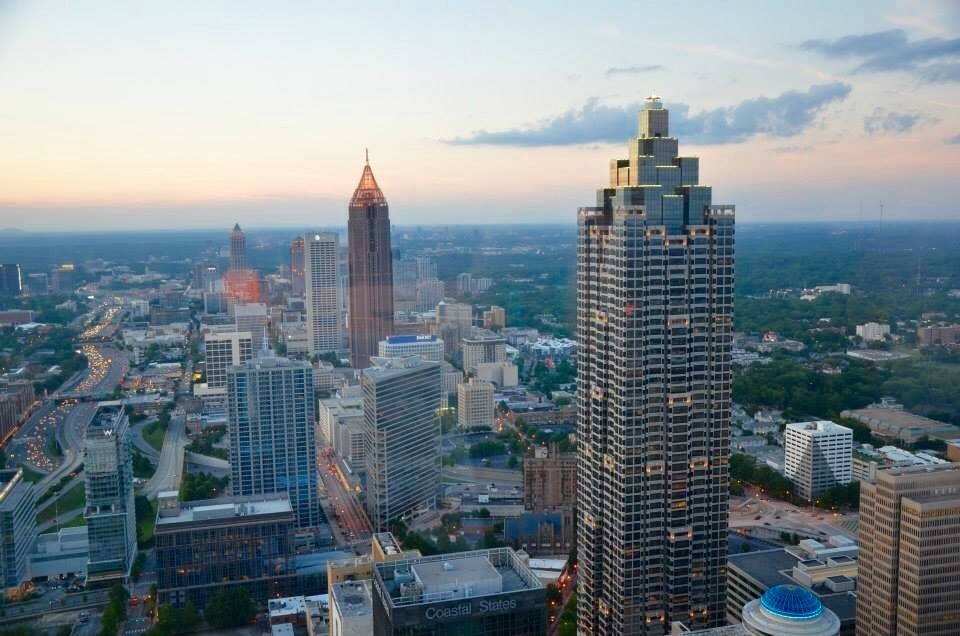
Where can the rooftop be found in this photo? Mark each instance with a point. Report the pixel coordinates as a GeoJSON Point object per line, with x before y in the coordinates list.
{"type": "Point", "coordinates": [410, 339]}
{"type": "Point", "coordinates": [386, 368]}
{"type": "Point", "coordinates": [352, 598]}
{"type": "Point", "coordinates": [819, 427]}
{"type": "Point", "coordinates": [225, 508]}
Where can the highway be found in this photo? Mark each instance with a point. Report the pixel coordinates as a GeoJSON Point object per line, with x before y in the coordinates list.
{"type": "Point", "coordinates": [502, 477]}
{"type": "Point", "coordinates": [169, 471]}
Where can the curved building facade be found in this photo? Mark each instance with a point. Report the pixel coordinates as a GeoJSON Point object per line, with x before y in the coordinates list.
{"type": "Point", "coordinates": [789, 610]}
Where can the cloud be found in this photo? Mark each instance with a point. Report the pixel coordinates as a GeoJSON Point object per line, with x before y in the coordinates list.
{"type": "Point", "coordinates": [930, 59]}
{"type": "Point", "coordinates": [792, 149]}
{"type": "Point", "coordinates": [633, 70]}
{"type": "Point", "coordinates": [783, 116]}
{"type": "Point", "coordinates": [954, 140]}
{"type": "Point", "coordinates": [886, 122]}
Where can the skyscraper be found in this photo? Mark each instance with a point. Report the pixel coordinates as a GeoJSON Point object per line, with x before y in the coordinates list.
{"type": "Point", "coordinates": [909, 538]}
{"type": "Point", "coordinates": [270, 414]}
{"type": "Point", "coordinates": [238, 249]}
{"type": "Point", "coordinates": [109, 512]}
{"type": "Point", "coordinates": [297, 266]}
{"type": "Point", "coordinates": [321, 280]}
{"type": "Point", "coordinates": [371, 270]}
{"type": "Point", "coordinates": [654, 310]}
{"type": "Point", "coordinates": [402, 430]}
{"type": "Point", "coordinates": [223, 349]}
{"type": "Point", "coordinates": [11, 283]}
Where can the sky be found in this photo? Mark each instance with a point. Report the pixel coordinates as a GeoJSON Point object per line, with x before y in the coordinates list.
{"type": "Point", "coordinates": [170, 114]}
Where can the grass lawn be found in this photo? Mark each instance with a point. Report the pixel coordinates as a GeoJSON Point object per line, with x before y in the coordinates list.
{"type": "Point", "coordinates": [74, 498]}
{"type": "Point", "coordinates": [31, 475]}
{"type": "Point", "coordinates": [154, 434]}
{"type": "Point", "coordinates": [73, 523]}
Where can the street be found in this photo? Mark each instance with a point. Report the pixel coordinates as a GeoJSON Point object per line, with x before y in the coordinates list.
{"type": "Point", "coordinates": [348, 519]}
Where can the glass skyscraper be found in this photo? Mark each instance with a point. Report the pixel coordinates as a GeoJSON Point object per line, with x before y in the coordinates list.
{"type": "Point", "coordinates": [270, 411]}
{"type": "Point", "coordinates": [654, 311]}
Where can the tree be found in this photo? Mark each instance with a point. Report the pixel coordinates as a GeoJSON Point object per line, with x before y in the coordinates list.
{"type": "Point", "coordinates": [175, 620]}
{"type": "Point", "coordinates": [231, 607]}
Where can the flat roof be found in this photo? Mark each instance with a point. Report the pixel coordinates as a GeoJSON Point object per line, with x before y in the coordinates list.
{"type": "Point", "coordinates": [227, 508]}
{"type": "Point", "coordinates": [352, 598]}
{"type": "Point", "coordinates": [412, 339]}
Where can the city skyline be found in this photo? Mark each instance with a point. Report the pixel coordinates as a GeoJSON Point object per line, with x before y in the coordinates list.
{"type": "Point", "coordinates": [831, 102]}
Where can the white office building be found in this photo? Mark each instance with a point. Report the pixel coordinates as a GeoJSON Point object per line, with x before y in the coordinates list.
{"type": "Point", "coordinates": [252, 318]}
{"type": "Point", "coordinates": [873, 331]}
{"type": "Point", "coordinates": [322, 291]}
{"type": "Point", "coordinates": [425, 347]}
{"type": "Point", "coordinates": [475, 404]}
{"type": "Point", "coordinates": [222, 350]}
{"type": "Point", "coordinates": [819, 456]}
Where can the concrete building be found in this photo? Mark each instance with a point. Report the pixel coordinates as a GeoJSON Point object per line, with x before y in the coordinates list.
{"type": "Point", "coordinates": [501, 374]}
{"type": "Point", "coordinates": [549, 479]}
{"type": "Point", "coordinates": [18, 527]}
{"type": "Point", "coordinates": [789, 610]}
{"type": "Point", "coordinates": [351, 608]}
{"type": "Point", "coordinates": [426, 347]}
{"type": "Point", "coordinates": [454, 322]}
{"type": "Point", "coordinates": [402, 427]}
{"type": "Point", "coordinates": [873, 332]}
{"type": "Point", "coordinates": [818, 456]}
{"type": "Point", "coordinates": [238, 249]}
{"type": "Point", "coordinates": [252, 318]}
{"type": "Point", "coordinates": [11, 281]}
{"type": "Point", "coordinates": [480, 592]}
{"type": "Point", "coordinates": [205, 546]}
{"type": "Point", "coordinates": [60, 554]}
{"type": "Point", "coordinates": [888, 419]}
{"type": "Point", "coordinates": [655, 267]}
{"type": "Point", "coordinates": [868, 460]}
{"type": "Point", "coordinates": [475, 404]}
{"type": "Point", "coordinates": [109, 512]}
{"type": "Point", "coordinates": [495, 318]}
{"type": "Point", "coordinates": [223, 349]}
{"type": "Point", "coordinates": [342, 427]}
{"type": "Point", "coordinates": [938, 335]}
{"type": "Point", "coordinates": [270, 415]}
{"type": "Point", "coordinates": [827, 570]}
{"type": "Point", "coordinates": [322, 291]}
{"type": "Point", "coordinates": [370, 264]}
{"type": "Point", "coordinates": [297, 266]}
{"type": "Point", "coordinates": [482, 346]}
{"type": "Point", "coordinates": [909, 537]}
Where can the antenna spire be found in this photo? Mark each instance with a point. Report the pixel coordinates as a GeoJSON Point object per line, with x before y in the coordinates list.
{"type": "Point", "coordinates": [366, 152]}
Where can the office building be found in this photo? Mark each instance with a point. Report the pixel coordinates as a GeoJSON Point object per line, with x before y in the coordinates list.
{"type": "Point", "coordinates": [297, 266]}
{"type": "Point", "coordinates": [909, 537]}
{"type": "Point", "coordinates": [351, 608]}
{"type": "Point", "coordinates": [454, 322]}
{"type": "Point", "coordinates": [341, 424]}
{"type": "Point", "coordinates": [322, 292]}
{"type": "Point", "coordinates": [403, 438]}
{"type": "Point", "coordinates": [109, 512]}
{"type": "Point", "coordinates": [938, 335]}
{"type": "Point", "coordinates": [482, 346]}
{"type": "Point", "coordinates": [819, 456]}
{"type": "Point", "coordinates": [873, 332]}
{"type": "Point", "coordinates": [18, 528]}
{"type": "Point", "coordinates": [370, 263]}
{"type": "Point", "coordinates": [503, 375]}
{"type": "Point", "coordinates": [252, 318]}
{"type": "Point", "coordinates": [426, 347]}
{"type": "Point", "coordinates": [11, 282]}
{"type": "Point", "coordinates": [488, 592]}
{"type": "Point", "coordinates": [238, 249]}
{"type": "Point", "coordinates": [224, 349]}
{"type": "Point", "coordinates": [475, 404]}
{"type": "Point", "coordinates": [62, 279]}
{"type": "Point", "coordinates": [867, 460]}
{"type": "Point", "coordinates": [827, 569]}
{"type": "Point", "coordinates": [495, 317]}
{"type": "Point", "coordinates": [654, 320]}
{"type": "Point", "coordinates": [270, 415]}
{"type": "Point", "coordinates": [789, 609]}
{"type": "Point", "coordinates": [205, 546]}
{"type": "Point", "coordinates": [549, 479]}
{"type": "Point", "coordinates": [38, 283]}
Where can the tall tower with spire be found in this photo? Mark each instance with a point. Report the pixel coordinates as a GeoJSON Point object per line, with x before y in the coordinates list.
{"type": "Point", "coordinates": [238, 249]}
{"type": "Point", "coordinates": [654, 319]}
{"type": "Point", "coordinates": [371, 269]}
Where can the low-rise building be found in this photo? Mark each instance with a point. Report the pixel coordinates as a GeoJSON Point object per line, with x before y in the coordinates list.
{"type": "Point", "coordinates": [500, 374]}
{"type": "Point", "coordinates": [475, 408]}
{"type": "Point", "coordinates": [873, 331]}
{"type": "Point", "coordinates": [867, 460]}
{"type": "Point", "coordinates": [888, 419]}
{"type": "Point", "coordinates": [60, 554]}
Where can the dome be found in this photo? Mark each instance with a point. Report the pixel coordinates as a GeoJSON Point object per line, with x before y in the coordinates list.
{"type": "Point", "coordinates": [792, 602]}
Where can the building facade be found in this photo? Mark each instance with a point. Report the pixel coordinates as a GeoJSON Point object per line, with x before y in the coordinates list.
{"type": "Point", "coordinates": [909, 538]}
{"type": "Point", "coordinates": [18, 527]}
{"type": "Point", "coordinates": [654, 318]}
{"type": "Point", "coordinates": [488, 592]}
{"type": "Point", "coordinates": [238, 249]}
{"type": "Point", "coordinates": [371, 270]}
{"type": "Point", "coordinates": [108, 482]}
{"type": "Point", "coordinates": [351, 608]}
{"type": "Point", "coordinates": [427, 347]}
{"type": "Point", "coordinates": [549, 479]}
{"type": "Point", "coordinates": [270, 416]}
{"type": "Point", "coordinates": [224, 349]}
{"type": "Point", "coordinates": [11, 281]}
{"type": "Point", "coordinates": [818, 456]}
{"type": "Point", "coordinates": [402, 431]}
{"type": "Point", "coordinates": [475, 404]}
{"type": "Point", "coordinates": [341, 423]}
{"type": "Point", "coordinates": [480, 347]}
{"type": "Point", "coordinates": [297, 266]}
{"type": "Point", "coordinates": [322, 295]}
{"type": "Point", "coordinates": [205, 546]}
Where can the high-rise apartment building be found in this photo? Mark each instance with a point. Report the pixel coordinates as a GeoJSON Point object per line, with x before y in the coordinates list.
{"type": "Point", "coordinates": [11, 282]}
{"type": "Point", "coordinates": [475, 404]}
{"type": "Point", "coordinates": [819, 456]}
{"type": "Point", "coordinates": [224, 349]}
{"type": "Point", "coordinates": [909, 538]}
{"type": "Point", "coordinates": [270, 415]}
{"type": "Point", "coordinates": [297, 266]}
{"type": "Point", "coordinates": [238, 249]}
{"type": "Point", "coordinates": [109, 512]}
{"type": "Point", "coordinates": [18, 528]}
{"type": "Point", "coordinates": [322, 291]}
{"type": "Point", "coordinates": [654, 313]}
{"type": "Point", "coordinates": [480, 347]}
{"type": "Point", "coordinates": [403, 438]}
{"type": "Point", "coordinates": [371, 270]}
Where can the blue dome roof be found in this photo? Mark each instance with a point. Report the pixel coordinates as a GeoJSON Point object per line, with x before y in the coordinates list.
{"type": "Point", "coordinates": [792, 602]}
